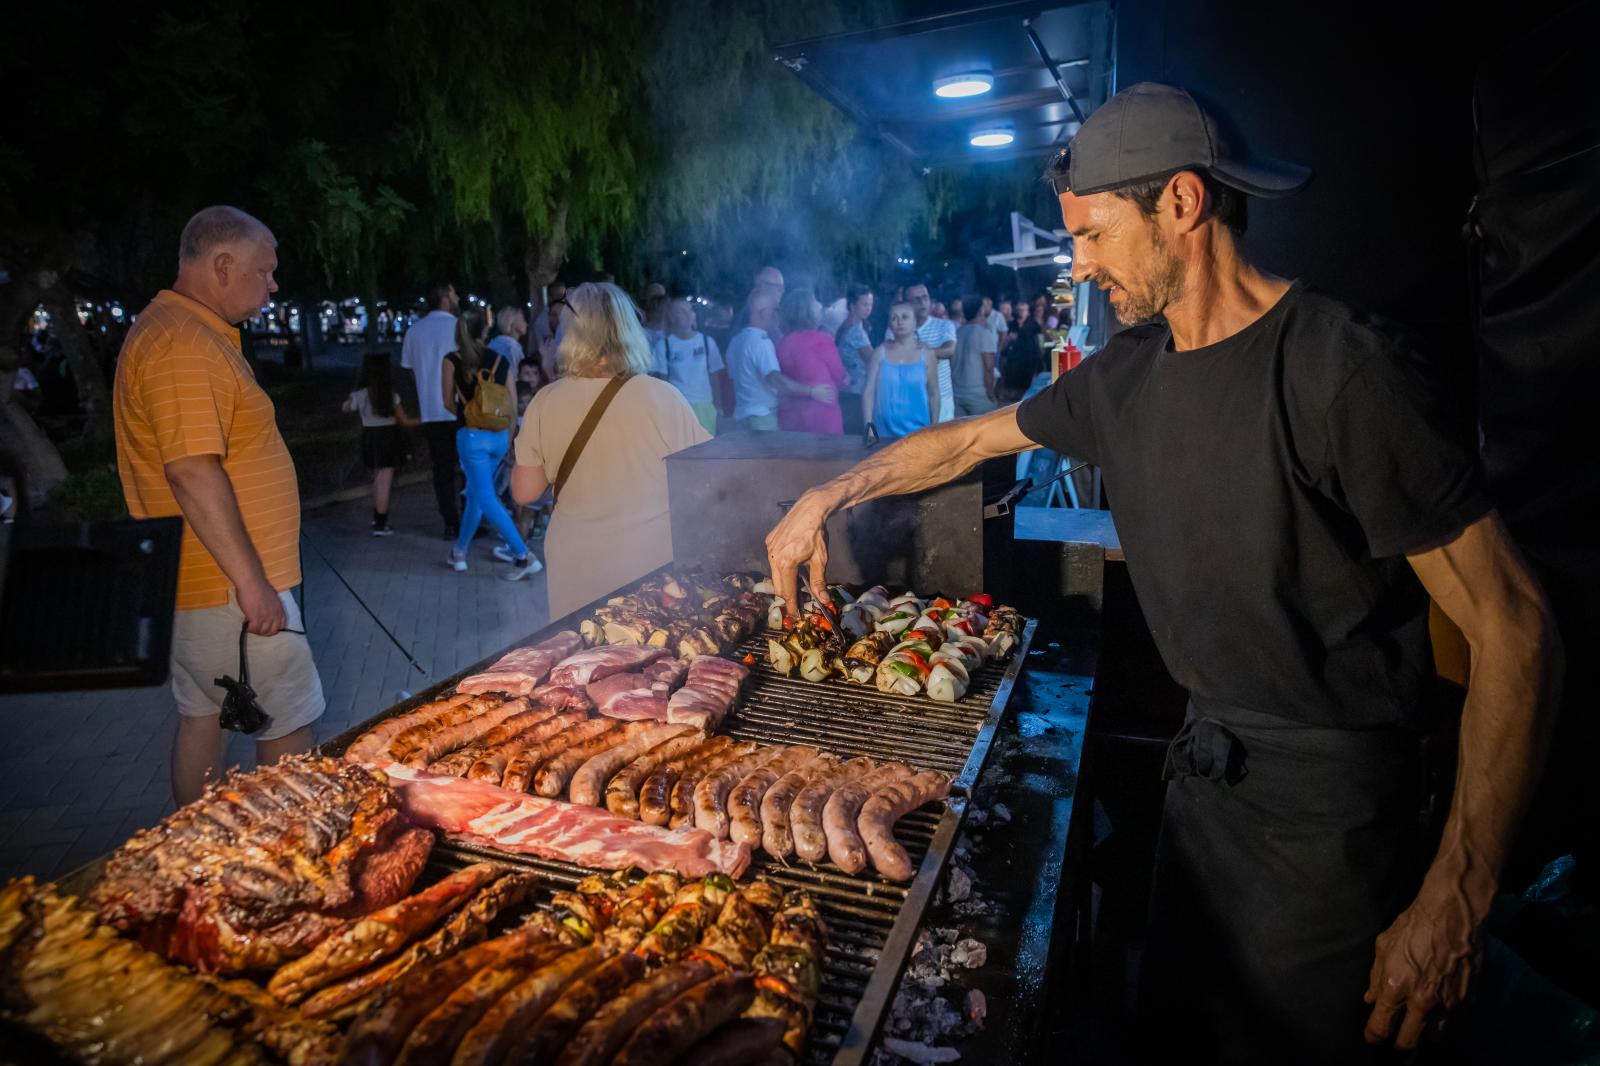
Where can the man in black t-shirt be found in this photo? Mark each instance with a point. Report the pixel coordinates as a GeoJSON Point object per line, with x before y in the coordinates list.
{"type": "Point", "coordinates": [1290, 489]}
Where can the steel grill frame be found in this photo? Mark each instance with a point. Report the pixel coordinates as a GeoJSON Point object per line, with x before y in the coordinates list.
{"type": "Point", "coordinates": [873, 922]}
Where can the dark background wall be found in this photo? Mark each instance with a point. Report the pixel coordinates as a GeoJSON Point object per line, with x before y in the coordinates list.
{"type": "Point", "coordinates": [1376, 98]}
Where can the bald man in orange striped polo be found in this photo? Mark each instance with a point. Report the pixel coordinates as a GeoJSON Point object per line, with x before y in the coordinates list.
{"type": "Point", "coordinates": [197, 437]}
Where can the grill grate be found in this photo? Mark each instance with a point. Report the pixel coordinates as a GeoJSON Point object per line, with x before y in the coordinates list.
{"type": "Point", "coordinates": [873, 922]}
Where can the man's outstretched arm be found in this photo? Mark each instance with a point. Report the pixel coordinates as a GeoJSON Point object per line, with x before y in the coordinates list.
{"type": "Point", "coordinates": [921, 461]}
{"type": "Point", "coordinates": [1427, 958]}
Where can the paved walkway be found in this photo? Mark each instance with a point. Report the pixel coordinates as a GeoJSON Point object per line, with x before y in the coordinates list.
{"type": "Point", "coordinates": [80, 772]}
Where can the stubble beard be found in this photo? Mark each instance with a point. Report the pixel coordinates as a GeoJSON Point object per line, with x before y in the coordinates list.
{"type": "Point", "coordinates": [1160, 288]}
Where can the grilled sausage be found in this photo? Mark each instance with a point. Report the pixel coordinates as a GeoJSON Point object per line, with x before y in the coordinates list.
{"type": "Point", "coordinates": [655, 795]}
{"type": "Point", "coordinates": [437, 1035]}
{"type": "Point", "coordinates": [602, 1035]}
{"type": "Point", "coordinates": [712, 794]}
{"type": "Point", "coordinates": [408, 742]}
{"type": "Point", "coordinates": [682, 1023]}
{"type": "Point", "coordinates": [744, 801]}
{"type": "Point", "coordinates": [491, 765]}
{"type": "Point", "coordinates": [553, 775]}
{"type": "Point", "coordinates": [886, 807]}
{"type": "Point", "coordinates": [488, 1041]}
{"type": "Point", "coordinates": [805, 816]}
{"type": "Point", "coordinates": [458, 762]}
{"type": "Point", "coordinates": [845, 846]}
{"type": "Point", "coordinates": [683, 791]}
{"type": "Point", "coordinates": [577, 1005]}
{"type": "Point", "coordinates": [592, 776]}
{"type": "Point", "coordinates": [519, 773]}
{"type": "Point", "coordinates": [622, 791]}
{"type": "Point", "coordinates": [776, 839]}
{"type": "Point", "coordinates": [375, 742]}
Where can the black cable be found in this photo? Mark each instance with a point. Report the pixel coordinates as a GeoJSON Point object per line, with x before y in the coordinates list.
{"type": "Point", "coordinates": [376, 620]}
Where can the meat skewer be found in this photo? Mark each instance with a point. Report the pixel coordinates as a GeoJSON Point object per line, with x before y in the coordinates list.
{"type": "Point", "coordinates": [577, 1005]}
{"type": "Point", "coordinates": [602, 1035]}
{"type": "Point", "coordinates": [776, 838]}
{"type": "Point", "coordinates": [591, 777]}
{"type": "Point", "coordinates": [805, 816]}
{"type": "Point", "coordinates": [622, 791]}
{"type": "Point", "coordinates": [711, 795]}
{"type": "Point", "coordinates": [465, 928]}
{"type": "Point", "coordinates": [489, 1040]}
{"type": "Point", "coordinates": [679, 1025]}
{"type": "Point", "coordinates": [888, 805]}
{"type": "Point", "coordinates": [845, 846]}
{"type": "Point", "coordinates": [378, 935]}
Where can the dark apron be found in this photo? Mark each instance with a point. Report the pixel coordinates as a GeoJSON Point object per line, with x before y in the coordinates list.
{"type": "Point", "coordinates": [1285, 850]}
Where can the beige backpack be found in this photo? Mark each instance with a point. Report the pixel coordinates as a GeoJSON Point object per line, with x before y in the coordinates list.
{"type": "Point", "coordinates": [491, 406]}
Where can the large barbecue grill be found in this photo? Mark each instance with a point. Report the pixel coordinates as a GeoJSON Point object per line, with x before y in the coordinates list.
{"type": "Point", "coordinates": [873, 922]}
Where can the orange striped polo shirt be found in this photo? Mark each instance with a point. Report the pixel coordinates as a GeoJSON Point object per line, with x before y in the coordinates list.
{"type": "Point", "coordinates": [183, 388]}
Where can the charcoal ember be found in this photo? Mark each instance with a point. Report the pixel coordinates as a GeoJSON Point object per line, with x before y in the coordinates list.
{"type": "Point", "coordinates": [970, 953]}
{"type": "Point", "coordinates": [1000, 812]}
{"type": "Point", "coordinates": [958, 885]}
{"type": "Point", "coordinates": [977, 815]}
{"type": "Point", "coordinates": [977, 1007]}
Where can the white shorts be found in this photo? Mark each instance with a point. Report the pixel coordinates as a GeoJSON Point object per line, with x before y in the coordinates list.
{"type": "Point", "coordinates": [205, 646]}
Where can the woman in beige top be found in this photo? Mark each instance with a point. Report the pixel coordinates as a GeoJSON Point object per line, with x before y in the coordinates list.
{"type": "Point", "coordinates": [610, 526]}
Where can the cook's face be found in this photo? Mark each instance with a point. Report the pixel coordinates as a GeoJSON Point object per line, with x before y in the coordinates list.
{"type": "Point", "coordinates": [1119, 249]}
{"type": "Point", "coordinates": [248, 276]}
{"type": "Point", "coordinates": [902, 320]}
{"type": "Point", "coordinates": [921, 302]}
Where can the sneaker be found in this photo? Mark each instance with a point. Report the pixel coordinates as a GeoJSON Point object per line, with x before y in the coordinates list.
{"type": "Point", "coordinates": [458, 561]}
{"type": "Point", "coordinates": [384, 531]}
{"type": "Point", "coordinates": [504, 554]}
{"type": "Point", "coordinates": [532, 566]}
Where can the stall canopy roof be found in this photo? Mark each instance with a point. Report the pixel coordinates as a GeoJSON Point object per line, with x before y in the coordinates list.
{"type": "Point", "coordinates": [1051, 67]}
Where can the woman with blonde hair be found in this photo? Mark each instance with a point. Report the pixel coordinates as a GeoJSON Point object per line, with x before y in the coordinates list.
{"type": "Point", "coordinates": [610, 525]}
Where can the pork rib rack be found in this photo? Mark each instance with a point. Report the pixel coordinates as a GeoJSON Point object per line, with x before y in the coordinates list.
{"type": "Point", "coordinates": [264, 866]}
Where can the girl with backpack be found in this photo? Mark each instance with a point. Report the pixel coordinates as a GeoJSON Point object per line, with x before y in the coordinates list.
{"type": "Point", "coordinates": [476, 393]}
{"type": "Point", "coordinates": [382, 446]}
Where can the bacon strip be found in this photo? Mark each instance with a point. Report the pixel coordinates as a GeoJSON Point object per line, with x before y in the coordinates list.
{"type": "Point", "coordinates": [519, 672]}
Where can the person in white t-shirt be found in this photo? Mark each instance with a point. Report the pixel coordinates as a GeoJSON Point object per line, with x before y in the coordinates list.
{"type": "Point", "coordinates": [691, 361]}
{"type": "Point", "coordinates": [939, 334]}
{"type": "Point", "coordinates": [753, 366]}
{"type": "Point", "coordinates": [991, 316]}
{"type": "Point", "coordinates": [511, 325]}
{"type": "Point", "coordinates": [422, 352]}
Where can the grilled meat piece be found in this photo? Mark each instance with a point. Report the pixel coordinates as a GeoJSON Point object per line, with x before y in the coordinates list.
{"type": "Point", "coordinates": [379, 935]}
{"type": "Point", "coordinates": [259, 868]}
{"type": "Point", "coordinates": [602, 1035]}
{"type": "Point", "coordinates": [516, 1012]}
{"type": "Point", "coordinates": [887, 806]}
{"type": "Point", "coordinates": [845, 846]}
{"type": "Point", "coordinates": [683, 1022]}
{"type": "Point", "coordinates": [622, 791]}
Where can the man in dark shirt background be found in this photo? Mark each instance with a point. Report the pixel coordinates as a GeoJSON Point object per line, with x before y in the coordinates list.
{"type": "Point", "coordinates": [1289, 489]}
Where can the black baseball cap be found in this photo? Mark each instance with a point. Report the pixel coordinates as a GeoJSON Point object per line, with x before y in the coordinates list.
{"type": "Point", "coordinates": [1149, 130]}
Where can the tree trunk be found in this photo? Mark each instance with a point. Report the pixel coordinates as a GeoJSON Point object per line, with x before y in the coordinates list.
{"type": "Point", "coordinates": [94, 394]}
{"type": "Point", "coordinates": [22, 443]}
{"type": "Point", "coordinates": [544, 256]}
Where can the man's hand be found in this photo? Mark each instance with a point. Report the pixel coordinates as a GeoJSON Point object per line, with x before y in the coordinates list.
{"type": "Point", "coordinates": [263, 609]}
{"type": "Point", "coordinates": [798, 541]}
{"type": "Point", "coordinates": [1424, 966]}
{"type": "Point", "coordinates": [823, 393]}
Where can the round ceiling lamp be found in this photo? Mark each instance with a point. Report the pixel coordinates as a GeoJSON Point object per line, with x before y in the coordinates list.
{"type": "Point", "coordinates": [993, 137]}
{"type": "Point", "coordinates": [956, 86]}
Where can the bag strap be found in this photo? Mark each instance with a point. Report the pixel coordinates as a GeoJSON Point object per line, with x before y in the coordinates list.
{"type": "Point", "coordinates": [493, 370]}
{"type": "Point", "coordinates": [586, 430]}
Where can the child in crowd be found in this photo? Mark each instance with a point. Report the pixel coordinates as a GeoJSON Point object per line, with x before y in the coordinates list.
{"type": "Point", "coordinates": [382, 446]}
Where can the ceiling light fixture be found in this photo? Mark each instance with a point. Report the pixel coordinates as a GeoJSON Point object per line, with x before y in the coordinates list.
{"type": "Point", "coordinates": [993, 137]}
{"type": "Point", "coordinates": [955, 86]}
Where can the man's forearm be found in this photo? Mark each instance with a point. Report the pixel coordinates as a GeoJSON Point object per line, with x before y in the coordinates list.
{"type": "Point", "coordinates": [205, 495]}
{"type": "Point", "coordinates": [923, 460]}
{"type": "Point", "coordinates": [1506, 727]}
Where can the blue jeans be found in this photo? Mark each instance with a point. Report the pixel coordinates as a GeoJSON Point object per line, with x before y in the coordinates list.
{"type": "Point", "coordinates": [481, 451]}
